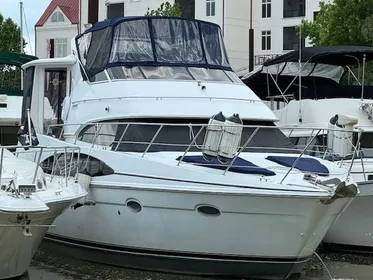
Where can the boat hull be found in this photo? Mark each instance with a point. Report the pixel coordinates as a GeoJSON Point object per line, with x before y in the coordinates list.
{"type": "Point", "coordinates": [354, 229]}
{"type": "Point", "coordinates": [261, 236]}
{"type": "Point", "coordinates": [17, 250]}
{"type": "Point", "coordinates": [180, 263]}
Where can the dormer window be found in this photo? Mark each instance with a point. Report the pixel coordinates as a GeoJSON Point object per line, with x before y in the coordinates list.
{"type": "Point", "coordinates": [58, 17]}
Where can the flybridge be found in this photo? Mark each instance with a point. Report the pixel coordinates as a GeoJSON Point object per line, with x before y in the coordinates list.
{"type": "Point", "coordinates": [151, 41]}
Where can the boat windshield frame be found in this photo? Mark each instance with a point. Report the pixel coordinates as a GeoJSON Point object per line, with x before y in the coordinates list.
{"type": "Point", "coordinates": [151, 41]}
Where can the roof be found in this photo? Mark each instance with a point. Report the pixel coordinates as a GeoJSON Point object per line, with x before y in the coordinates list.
{"type": "Point", "coordinates": [16, 59]}
{"type": "Point", "coordinates": [52, 62]}
{"type": "Point", "coordinates": [115, 21]}
{"type": "Point", "coordinates": [69, 7]}
{"type": "Point", "coordinates": [333, 55]}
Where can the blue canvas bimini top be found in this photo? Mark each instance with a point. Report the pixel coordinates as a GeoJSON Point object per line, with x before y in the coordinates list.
{"type": "Point", "coordinates": [152, 41]}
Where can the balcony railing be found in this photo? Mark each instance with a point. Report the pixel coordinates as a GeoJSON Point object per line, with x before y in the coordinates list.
{"type": "Point", "coordinates": [260, 59]}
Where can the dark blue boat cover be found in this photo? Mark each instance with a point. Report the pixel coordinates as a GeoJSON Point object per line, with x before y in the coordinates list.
{"type": "Point", "coordinates": [304, 164]}
{"type": "Point", "coordinates": [239, 166]}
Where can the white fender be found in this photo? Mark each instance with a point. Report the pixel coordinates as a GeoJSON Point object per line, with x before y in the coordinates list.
{"type": "Point", "coordinates": [340, 141]}
{"type": "Point", "coordinates": [231, 138]}
{"type": "Point", "coordinates": [213, 135]}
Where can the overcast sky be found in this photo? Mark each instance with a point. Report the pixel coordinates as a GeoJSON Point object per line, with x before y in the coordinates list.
{"type": "Point", "coordinates": [33, 10]}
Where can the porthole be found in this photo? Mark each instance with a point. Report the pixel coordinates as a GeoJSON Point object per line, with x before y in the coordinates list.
{"type": "Point", "coordinates": [208, 210]}
{"type": "Point", "coordinates": [134, 206]}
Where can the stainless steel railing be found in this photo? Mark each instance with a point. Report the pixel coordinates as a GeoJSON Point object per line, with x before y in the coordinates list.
{"type": "Point", "coordinates": [93, 133]}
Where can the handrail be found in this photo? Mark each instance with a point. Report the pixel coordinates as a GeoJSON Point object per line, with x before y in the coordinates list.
{"type": "Point", "coordinates": [151, 142]}
{"type": "Point", "coordinates": [350, 157]}
{"type": "Point", "coordinates": [190, 145]}
{"type": "Point", "coordinates": [187, 146]}
{"type": "Point", "coordinates": [239, 152]}
{"type": "Point", "coordinates": [296, 161]}
{"type": "Point", "coordinates": [63, 172]}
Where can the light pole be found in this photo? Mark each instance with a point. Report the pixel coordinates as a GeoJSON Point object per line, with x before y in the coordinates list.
{"type": "Point", "coordinates": [251, 39]}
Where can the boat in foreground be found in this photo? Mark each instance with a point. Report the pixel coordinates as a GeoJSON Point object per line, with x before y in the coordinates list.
{"type": "Point", "coordinates": [334, 94]}
{"type": "Point", "coordinates": [30, 200]}
{"type": "Point", "coordinates": [188, 172]}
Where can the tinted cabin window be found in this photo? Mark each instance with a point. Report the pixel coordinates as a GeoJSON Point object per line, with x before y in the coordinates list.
{"type": "Point", "coordinates": [175, 137]}
{"type": "Point", "coordinates": [27, 91]}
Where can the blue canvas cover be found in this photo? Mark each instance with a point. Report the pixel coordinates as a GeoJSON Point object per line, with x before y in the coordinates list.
{"type": "Point", "coordinates": [304, 164]}
{"type": "Point", "coordinates": [152, 41]}
{"type": "Point", "coordinates": [239, 166]}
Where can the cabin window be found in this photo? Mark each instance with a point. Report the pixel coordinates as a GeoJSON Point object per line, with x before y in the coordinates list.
{"type": "Point", "coordinates": [316, 148]}
{"type": "Point", "coordinates": [366, 140]}
{"type": "Point", "coordinates": [87, 165]}
{"type": "Point", "coordinates": [27, 91]}
{"type": "Point", "coordinates": [100, 134]}
{"type": "Point", "coordinates": [176, 135]}
{"type": "Point", "coordinates": [167, 72]}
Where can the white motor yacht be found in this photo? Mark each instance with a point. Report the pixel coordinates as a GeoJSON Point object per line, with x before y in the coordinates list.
{"type": "Point", "coordinates": [325, 87]}
{"type": "Point", "coordinates": [188, 172]}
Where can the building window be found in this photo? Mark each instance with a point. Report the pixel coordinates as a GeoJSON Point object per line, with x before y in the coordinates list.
{"type": "Point", "coordinates": [92, 11]}
{"type": "Point", "coordinates": [188, 8]}
{"type": "Point", "coordinates": [291, 39]}
{"type": "Point", "coordinates": [58, 17]}
{"type": "Point", "coordinates": [115, 10]}
{"type": "Point", "coordinates": [266, 40]}
{"type": "Point", "coordinates": [210, 8]}
{"type": "Point", "coordinates": [294, 8]}
{"type": "Point", "coordinates": [60, 47]}
{"type": "Point", "coordinates": [315, 15]}
{"type": "Point", "coordinates": [266, 8]}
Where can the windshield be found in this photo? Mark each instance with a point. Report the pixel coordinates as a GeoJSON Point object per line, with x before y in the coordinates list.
{"type": "Point", "coordinates": [135, 137]}
{"type": "Point", "coordinates": [152, 41]}
{"type": "Point", "coordinates": [166, 72]}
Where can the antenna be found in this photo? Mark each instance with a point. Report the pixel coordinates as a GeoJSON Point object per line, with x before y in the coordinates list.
{"type": "Point", "coordinates": [21, 36]}
{"type": "Point", "coordinates": [363, 78]}
{"type": "Point", "coordinates": [300, 73]}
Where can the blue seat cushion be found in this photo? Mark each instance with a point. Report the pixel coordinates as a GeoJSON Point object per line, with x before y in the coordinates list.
{"type": "Point", "coordinates": [304, 164]}
{"type": "Point", "coordinates": [239, 166]}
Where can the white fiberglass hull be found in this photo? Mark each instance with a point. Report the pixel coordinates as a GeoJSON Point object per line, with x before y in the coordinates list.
{"type": "Point", "coordinates": [353, 230]}
{"type": "Point", "coordinates": [254, 235]}
{"type": "Point", "coordinates": [18, 249]}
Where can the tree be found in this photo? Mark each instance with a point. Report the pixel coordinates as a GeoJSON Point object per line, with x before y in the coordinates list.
{"type": "Point", "coordinates": [342, 22]}
{"type": "Point", "coordinates": [367, 29]}
{"type": "Point", "coordinates": [9, 41]}
{"type": "Point", "coordinates": [166, 9]}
